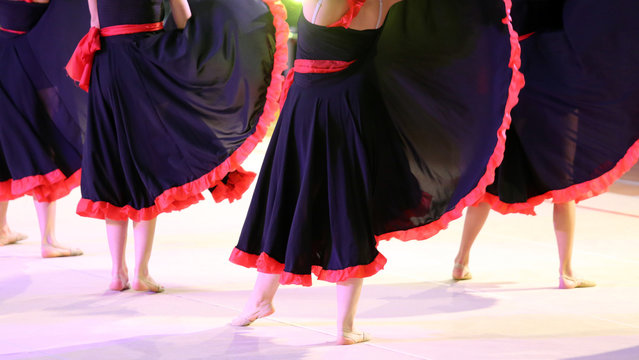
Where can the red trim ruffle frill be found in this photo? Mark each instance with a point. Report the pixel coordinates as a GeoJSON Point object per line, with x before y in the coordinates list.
{"type": "Point", "coordinates": [237, 183]}
{"type": "Point", "coordinates": [44, 188]}
{"type": "Point", "coordinates": [577, 192]}
{"type": "Point", "coordinates": [266, 264]}
{"type": "Point", "coordinates": [180, 197]}
{"type": "Point", "coordinates": [17, 32]}
{"type": "Point", "coordinates": [516, 84]}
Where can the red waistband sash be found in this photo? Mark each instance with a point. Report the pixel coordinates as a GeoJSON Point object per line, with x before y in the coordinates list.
{"type": "Point", "coordinates": [81, 62]}
{"type": "Point", "coordinates": [13, 31]}
{"type": "Point", "coordinates": [305, 66]}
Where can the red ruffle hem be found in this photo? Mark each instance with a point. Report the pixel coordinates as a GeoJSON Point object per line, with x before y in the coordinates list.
{"type": "Point", "coordinates": [239, 180]}
{"type": "Point", "coordinates": [266, 264]}
{"type": "Point", "coordinates": [18, 32]}
{"type": "Point", "coordinates": [577, 192]}
{"type": "Point", "coordinates": [44, 188]}
{"type": "Point", "coordinates": [516, 84]}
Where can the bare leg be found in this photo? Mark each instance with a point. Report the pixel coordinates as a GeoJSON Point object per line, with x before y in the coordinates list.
{"type": "Point", "coordinates": [260, 304]}
{"type": "Point", "coordinates": [348, 293]}
{"type": "Point", "coordinates": [49, 245]}
{"type": "Point", "coordinates": [564, 223]}
{"type": "Point", "coordinates": [4, 227]}
{"type": "Point", "coordinates": [6, 235]}
{"type": "Point", "coordinates": [116, 235]}
{"type": "Point", "coordinates": [475, 219]}
{"type": "Point", "coordinates": [144, 231]}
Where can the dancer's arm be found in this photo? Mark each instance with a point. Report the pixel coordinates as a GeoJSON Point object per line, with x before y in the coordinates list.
{"type": "Point", "coordinates": [93, 9]}
{"type": "Point", "coordinates": [181, 12]}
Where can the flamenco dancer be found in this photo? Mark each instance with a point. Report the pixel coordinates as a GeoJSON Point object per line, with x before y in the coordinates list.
{"type": "Point", "coordinates": [352, 161]}
{"type": "Point", "coordinates": [576, 128]}
{"type": "Point", "coordinates": [42, 113]}
{"type": "Point", "coordinates": [172, 111]}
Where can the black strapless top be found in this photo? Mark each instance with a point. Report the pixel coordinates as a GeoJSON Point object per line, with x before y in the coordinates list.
{"type": "Point", "coordinates": [333, 43]}
{"type": "Point", "coordinates": [19, 15]}
{"type": "Point", "coordinates": [121, 12]}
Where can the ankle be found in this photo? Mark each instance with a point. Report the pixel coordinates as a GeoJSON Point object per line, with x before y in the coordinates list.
{"type": "Point", "coordinates": [141, 273]}
{"type": "Point", "coordinates": [566, 273]}
{"type": "Point", "coordinates": [461, 260]}
{"type": "Point", "coordinates": [120, 273]}
{"type": "Point", "coordinates": [344, 330]}
{"type": "Point", "coordinates": [346, 327]}
{"type": "Point", "coordinates": [262, 304]}
{"type": "Point", "coordinates": [49, 240]}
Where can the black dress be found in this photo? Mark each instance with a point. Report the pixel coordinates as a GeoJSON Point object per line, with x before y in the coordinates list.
{"type": "Point", "coordinates": [350, 163]}
{"type": "Point", "coordinates": [175, 112]}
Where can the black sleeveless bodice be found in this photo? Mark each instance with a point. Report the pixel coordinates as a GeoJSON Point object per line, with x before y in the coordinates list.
{"type": "Point", "coordinates": [333, 43]}
{"type": "Point", "coordinates": [121, 12]}
{"type": "Point", "coordinates": [20, 16]}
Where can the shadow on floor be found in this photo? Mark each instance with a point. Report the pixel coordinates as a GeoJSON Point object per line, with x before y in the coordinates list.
{"type": "Point", "coordinates": [221, 343]}
{"type": "Point", "coordinates": [631, 353]}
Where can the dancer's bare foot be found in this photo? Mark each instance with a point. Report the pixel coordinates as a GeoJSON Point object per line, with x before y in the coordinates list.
{"type": "Point", "coordinates": [352, 337]}
{"type": "Point", "coordinates": [11, 238]}
{"type": "Point", "coordinates": [461, 272]}
{"type": "Point", "coordinates": [249, 315]}
{"type": "Point", "coordinates": [57, 250]}
{"type": "Point", "coordinates": [146, 284]}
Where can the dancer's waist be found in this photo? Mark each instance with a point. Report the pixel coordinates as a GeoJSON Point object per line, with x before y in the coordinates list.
{"type": "Point", "coordinates": [130, 29]}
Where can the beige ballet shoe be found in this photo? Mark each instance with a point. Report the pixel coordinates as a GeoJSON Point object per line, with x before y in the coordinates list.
{"type": "Point", "coordinates": [246, 320]}
{"type": "Point", "coordinates": [50, 251]}
{"type": "Point", "coordinates": [352, 337]}
{"type": "Point", "coordinates": [465, 272]}
{"type": "Point", "coordinates": [12, 238]}
{"type": "Point", "coordinates": [147, 284]}
{"type": "Point", "coordinates": [567, 282]}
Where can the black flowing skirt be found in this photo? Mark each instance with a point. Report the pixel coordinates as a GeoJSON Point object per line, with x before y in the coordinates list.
{"type": "Point", "coordinates": [42, 114]}
{"type": "Point", "coordinates": [175, 112]}
{"type": "Point", "coordinates": [576, 128]}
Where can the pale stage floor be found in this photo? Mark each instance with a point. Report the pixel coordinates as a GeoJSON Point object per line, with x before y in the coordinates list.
{"type": "Point", "coordinates": [512, 309]}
